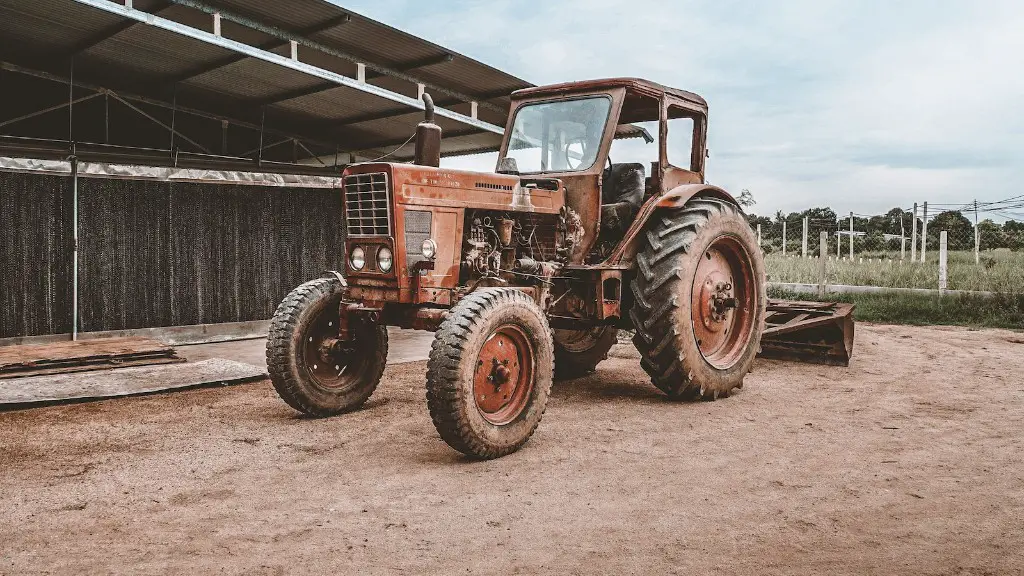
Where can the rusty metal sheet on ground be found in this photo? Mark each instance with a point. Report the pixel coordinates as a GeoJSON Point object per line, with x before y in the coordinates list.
{"type": "Point", "coordinates": [56, 388]}
{"type": "Point", "coordinates": [83, 355]}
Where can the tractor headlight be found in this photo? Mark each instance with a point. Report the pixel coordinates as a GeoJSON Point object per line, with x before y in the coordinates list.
{"type": "Point", "coordinates": [357, 259]}
{"type": "Point", "coordinates": [384, 259]}
{"type": "Point", "coordinates": [428, 249]}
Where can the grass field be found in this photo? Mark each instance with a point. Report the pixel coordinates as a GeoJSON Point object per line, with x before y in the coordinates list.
{"type": "Point", "coordinates": [999, 271]}
{"type": "Point", "coordinates": [1000, 311]}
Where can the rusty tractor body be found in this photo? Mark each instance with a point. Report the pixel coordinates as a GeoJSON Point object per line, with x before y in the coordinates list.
{"type": "Point", "coordinates": [527, 273]}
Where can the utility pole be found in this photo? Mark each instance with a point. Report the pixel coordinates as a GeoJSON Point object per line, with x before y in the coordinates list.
{"type": "Point", "coordinates": [913, 236]}
{"type": "Point", "coordinates": [851, 236]}
{"type": "Point", "coordinates": [924, 232]}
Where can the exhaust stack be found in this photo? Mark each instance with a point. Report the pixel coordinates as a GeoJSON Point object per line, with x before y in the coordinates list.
{"type": "Point", "coordinates": [428, 137]}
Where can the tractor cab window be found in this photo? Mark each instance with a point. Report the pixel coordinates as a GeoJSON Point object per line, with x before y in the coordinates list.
{"type": "Point", "coordinates": [683, 140]}
{"type": "Point", "coordinates": [562, 136]}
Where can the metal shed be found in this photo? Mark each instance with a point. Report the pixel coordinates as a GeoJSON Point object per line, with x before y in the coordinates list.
{"type": "Point", "coordinates": [172, 162]}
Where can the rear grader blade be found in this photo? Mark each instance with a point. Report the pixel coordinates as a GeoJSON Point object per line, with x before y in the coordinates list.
{"type": "Point", "coordinates": [815, 332]}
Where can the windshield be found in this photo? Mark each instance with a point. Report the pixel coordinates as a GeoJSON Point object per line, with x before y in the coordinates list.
{"type": "Point", "coordinates": [561, 136]}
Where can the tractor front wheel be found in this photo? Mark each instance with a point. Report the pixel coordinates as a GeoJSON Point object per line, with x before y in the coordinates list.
{"type": "Point", "coordinates": [489, 373]}
{"type": "Point", "coordinates": [699, 299]}
{"type": "Point", "coordinates": [311, 370]}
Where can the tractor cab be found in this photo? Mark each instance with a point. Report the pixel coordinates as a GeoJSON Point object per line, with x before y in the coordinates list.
{"type": "Point", "coordinates": [614, 144]}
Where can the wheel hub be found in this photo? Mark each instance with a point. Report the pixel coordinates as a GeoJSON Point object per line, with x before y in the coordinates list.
{"type": "Point", "coordinates": [503, 377]}
{"type": "Point", "coordinates": [721, 322]}
{"type": "Point", "coordinates": [329, 360]}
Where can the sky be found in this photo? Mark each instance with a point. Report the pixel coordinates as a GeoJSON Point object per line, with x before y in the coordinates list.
{"type": "Point", "coordinates": [858, 105]}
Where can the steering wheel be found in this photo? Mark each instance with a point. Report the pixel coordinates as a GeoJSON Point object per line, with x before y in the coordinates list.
{"type": "Point", "coordinates": [575, 152]}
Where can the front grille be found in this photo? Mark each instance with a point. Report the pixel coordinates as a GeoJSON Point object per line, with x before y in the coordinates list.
{"type": "Point", "coordinates": [367, 204]}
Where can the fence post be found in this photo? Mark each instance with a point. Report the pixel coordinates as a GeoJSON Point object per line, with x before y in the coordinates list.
{"type": "Point", "coordinates": [851, 236]}
{"type": "Point", "coordinates": [74, 248]}
{"type": "Point", "coordinates": [822, 259]}
{"type": "Point", "coordinates": [913, 236]}
{"type": "Point", "coordinates": [903, 237]}
{"type": "Point", "coordinates": [977, 235]}
{"type": "Point", "coordinates": [759, 234]}
{"type": "Point", "coordinates": [783, 237]}
{"type": "Point", "coordinates": [804, 243]}
{"type": "Point", "coordinates": [924, 232]}
{"type": "Point", "coordinates": [942, 262]}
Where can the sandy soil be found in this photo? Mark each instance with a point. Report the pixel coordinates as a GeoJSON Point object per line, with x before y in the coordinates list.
{"type": "Point", "coordinates": [911, 462]}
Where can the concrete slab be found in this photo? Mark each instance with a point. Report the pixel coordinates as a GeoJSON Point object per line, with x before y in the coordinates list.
{"type": "Point", "coordinates": [57, 388]}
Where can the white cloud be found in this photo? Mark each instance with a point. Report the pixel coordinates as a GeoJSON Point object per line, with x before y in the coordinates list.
{"type": "Point", "coordinates": [857, 105]}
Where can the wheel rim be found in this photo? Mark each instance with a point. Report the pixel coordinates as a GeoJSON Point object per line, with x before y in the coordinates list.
{"type": "Point", "coordinates": [332, 364]}
{"type": "Point", "coordinates": [503, 380]}
{"type": "Point", "coordinates": [723, 300]}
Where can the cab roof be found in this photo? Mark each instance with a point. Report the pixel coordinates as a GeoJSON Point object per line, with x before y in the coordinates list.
{"type": "Point", "coordinates": [645, 87]}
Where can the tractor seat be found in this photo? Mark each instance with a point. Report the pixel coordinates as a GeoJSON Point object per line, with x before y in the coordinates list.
{"type": "Point", "coordinates": [622, 193]}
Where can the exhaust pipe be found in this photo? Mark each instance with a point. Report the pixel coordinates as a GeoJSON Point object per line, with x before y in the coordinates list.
{"type": "Point", "coordinates": [428, 137]}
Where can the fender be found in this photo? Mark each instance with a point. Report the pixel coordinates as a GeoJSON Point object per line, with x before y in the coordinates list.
{"type": "Point", "coordinates": [675, 198]}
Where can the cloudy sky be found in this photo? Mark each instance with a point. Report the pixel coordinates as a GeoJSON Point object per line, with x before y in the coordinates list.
{"type": "Point", "coordinates": [858, 105]}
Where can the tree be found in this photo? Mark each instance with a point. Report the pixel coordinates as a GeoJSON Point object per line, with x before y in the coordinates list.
{"type": "Point", "coordinates": [959, 230]}
{"type": "Point", "coordinates": [746, 199]}
{"type": "Point", "coordinates": [991, 235]}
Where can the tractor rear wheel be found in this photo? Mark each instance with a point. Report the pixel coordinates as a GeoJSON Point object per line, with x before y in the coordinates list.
{"type": "Point", "coordinates": [489, 373]}
{"type": "Point", "coordinates": [310, 369]}
{"type": "Point", "coordinates": [699, 299]}
{"type": "Point", "coordinates": [578, 352]}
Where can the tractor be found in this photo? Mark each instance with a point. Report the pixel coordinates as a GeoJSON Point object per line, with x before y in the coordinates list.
{"type": "Point", "coordinates": [528, 273]}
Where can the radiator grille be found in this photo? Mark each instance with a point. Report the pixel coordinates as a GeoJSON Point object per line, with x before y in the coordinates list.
{"type": "Point", "coordinates": [367, 204]}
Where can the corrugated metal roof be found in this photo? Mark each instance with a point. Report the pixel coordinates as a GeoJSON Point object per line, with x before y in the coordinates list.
{"type": "Point", "coordinates": [162, 66]}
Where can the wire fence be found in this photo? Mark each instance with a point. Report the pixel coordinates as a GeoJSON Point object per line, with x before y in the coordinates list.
{"type": "Point", "coordinates": [946, 247]}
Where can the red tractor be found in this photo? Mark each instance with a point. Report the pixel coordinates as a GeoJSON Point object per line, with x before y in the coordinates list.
{"type": "Point", "coordinates": [529, 272]}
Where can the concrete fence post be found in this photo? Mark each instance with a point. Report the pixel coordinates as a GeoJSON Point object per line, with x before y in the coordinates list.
{"type": "Point", "coordinates": [783, 237]}
{"type": "Point", "coordinates": [822, 260]}
{"type": "Point", "coordinates": [924, 232]}
{"type": "Point", "coordinates": [977, 236]}
{"type": "Point", "coordinates": [804, 242]}
{"type": "Point", "coordinates": [942, 262]}
{"type": "Point", "coordinates": [851, 235]}
{"type": "Point", "coordinates": [913, 236]}
{"type": "Point", "coordinates": [758, 234]}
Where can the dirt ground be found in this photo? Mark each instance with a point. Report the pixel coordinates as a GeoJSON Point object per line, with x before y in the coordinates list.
{"type": "Point", "coordinates": [911, 461]}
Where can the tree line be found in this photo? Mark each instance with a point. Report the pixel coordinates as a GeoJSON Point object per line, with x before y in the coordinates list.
{"type": "Point", "coordinates": [895, 222]}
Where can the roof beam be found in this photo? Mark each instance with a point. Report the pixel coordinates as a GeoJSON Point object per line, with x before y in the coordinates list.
{"type": "Point", "coordinates": [293, 94]}
{"type": "Point", "coordinates": [284, 61]}
{"type": "Point", "coordinates": [110, 32]}
{"type": "Point", "coordinates": [413, 65]}
{"type": "Point", "coordinates": [161, 104]}
{"type": "Point", "coordinates": [395, 112]}
{"type": "Point", "coordinates": [303, 41]}
{"type": "Point", "coordinates": [299, 93]}
{"type": "Point", "coordinates": [268, 46]}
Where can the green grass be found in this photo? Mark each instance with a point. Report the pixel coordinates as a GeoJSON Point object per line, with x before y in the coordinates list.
{"type": "Point", "coordinates": [1000, 311]}
{"type": "Point", "coordinates": [999, 271]}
